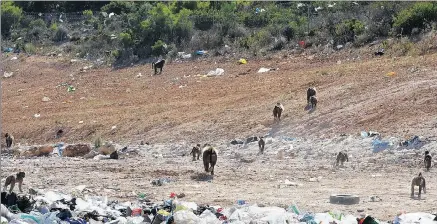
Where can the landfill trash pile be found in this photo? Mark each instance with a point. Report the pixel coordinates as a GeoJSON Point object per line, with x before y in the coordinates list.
{"type": "Point", "coordinates": [53, 207]}
{"type": "Point", "coordinates": [296, 168]}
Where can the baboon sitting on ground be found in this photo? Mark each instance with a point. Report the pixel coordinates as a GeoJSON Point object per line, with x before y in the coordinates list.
{"type": "Point", "coordinates": [418, 181]}
{"type": "Point", "coordinates": [277, 111]}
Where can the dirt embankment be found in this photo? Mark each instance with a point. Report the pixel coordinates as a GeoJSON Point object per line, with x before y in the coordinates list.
{"type": "Point", "coordinates": [179, 105]}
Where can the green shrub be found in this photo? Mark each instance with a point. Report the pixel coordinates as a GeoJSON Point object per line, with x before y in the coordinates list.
{"type": "Point", "coordinates": [159, 48]}
{"type": "Point", "coordinates": [60, 34]}
{"type": "Point", "coordinates": [88, 14]}
{"type": "Point", "coordinates": [54, 27]}
{"type": "Point", "coordinates": [29, 48]}
{"type": "Point", "coordinates": [10, 16]}
{"type": "Point", "coordinates": [347, 30]}
{"type": "Point", "coordinates": [37, 29]}
{"type": "Point", "coordinates": [417, 16]}
{"type": "Point", "coordinates": [126, 39]}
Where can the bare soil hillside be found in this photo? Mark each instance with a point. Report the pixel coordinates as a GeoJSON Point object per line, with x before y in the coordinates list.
{"type": "Point", "coordinates": [354, 94]}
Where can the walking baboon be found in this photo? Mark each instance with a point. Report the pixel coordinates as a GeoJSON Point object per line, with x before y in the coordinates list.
{"type": "Point", "coordinates": [261, 144]}
{"type": "Point", "coordinates": [311, 92]}
{"type": "Point", "coordinates": [9, 140]}
{"type": "Point", "coordinates": [341, 158]}
{"type": "Point", "coordinates": [427, 160]}
{"type": "Point", "coordinates": [196, 152]}
{"type": "Point", "coordinates": [209, 158]}
{"type": "Point", "coordinates": [313, 101]}
{"type": "Point", "coordinates": [277, 111]}
{"type": "Point", "coordinates": [11, 180]}
{"type": "Point", "coordinates": [418, 181]}
{"type": "Point", "coordinates": [159, 64]}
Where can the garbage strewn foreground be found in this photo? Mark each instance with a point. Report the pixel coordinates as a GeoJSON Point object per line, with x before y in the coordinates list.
{"type": "Point", "coordinates": [53, 207]}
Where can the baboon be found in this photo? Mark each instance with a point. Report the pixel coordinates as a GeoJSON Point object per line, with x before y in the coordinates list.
{"type": "Point", "coordinates": [209, 157]}
{"type": "Point", "coordinates": [313, 101]}
{"type": "Point", "coordinates": [11, 180]}
{"type": "Point", "coordinates": [311, 92]}
{"type": "Point", "coordinates": [427, 160]}
{"type": "Point", "coordinates": [380, 52]}
{"type": "Point", "coordinates": [195, 151]}
{"type": "Point", "coordinates": [59, 133]}
{"type": "Point", "coordinates": [418, 181]}
{"type": "Point", "coordinates": [9, 140]}
{"type": "Point", "coordinates": [341, 158]}
{"type": "Point", "coordinates": [277, 111]}
{"type": "Point", "coordinates": [114, 155]}
{"type": "Point", "coordinates": [159, 64]}
{"type": "Point", "coordinates": [261, 145]}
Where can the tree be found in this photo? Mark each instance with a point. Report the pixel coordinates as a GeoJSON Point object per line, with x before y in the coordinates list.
{"type": "Point", "coordinates": [10, 16]}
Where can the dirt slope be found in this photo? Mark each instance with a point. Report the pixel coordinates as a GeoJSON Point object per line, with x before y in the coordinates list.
{"type": "Point", "coordinates": [353, 95]}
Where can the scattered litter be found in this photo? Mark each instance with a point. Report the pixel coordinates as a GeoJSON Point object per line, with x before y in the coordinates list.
{"type": "Point", "coordinates": [262, 70]}
{"type": "Point", "coordinates": [77, 208]}
{"type": "Point", "coordinates": [201, 52]}
{"type": "Point", "coordinates": [338, 62]}
{"type": "Point", "coordinates": [113, 127]}
{"type": "Point", "coordinates": [237, 142]}
{"type": "Point", "coordinates": [80, 122]}
{"type": "Point", "coordinates": [217, 72]}
{"type": "Point", "coordinates": [365, 134]}
{"type": "Point", "coordinates": [391, 74]}
{"type": "Point", "coordinates": [242, 61]}
{"type": "Point", "coordinates": [14, 58]}
{"type": "Point", "coordinates": [37, 115]}
{"type": "Point", "coordinates": [45, 99]}
{"type": "Point", "coordinates": [288, 183]}
{"type": "Point", "coordinates": [161, 181]}
{"type": "Point", "coordinates": [139, 75]}
{"type": "Point", "coordinates": [71, 89]}
{"type": "Point", "coordinates": [258, 10]}
{"type": "Point", "coordinates": [8, 74]}
{"type": "Point", "coordinates": [183, 55]}
{"type": "Point", "coordinates": [8, 49]}
{"type": "Point", "coordinates": [339, 47]}
{"type": "Point", "coordinates": [413, 143]}
{"type": "Point", "coordinates": [374, 198]}
{"type": "Point", "coordinates": [379, 145]}
{"type": "Point", "coordinates": [182, 86]}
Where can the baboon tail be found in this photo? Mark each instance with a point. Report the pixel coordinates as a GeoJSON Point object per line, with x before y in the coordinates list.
{"type": "Point", "coordinates": [153, 65]}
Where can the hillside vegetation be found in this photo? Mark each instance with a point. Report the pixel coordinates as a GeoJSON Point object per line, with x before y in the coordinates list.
{"type": "Point", "coordinates": [121, 33]}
